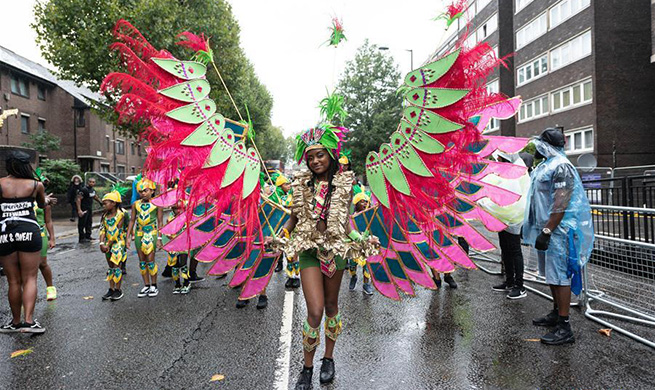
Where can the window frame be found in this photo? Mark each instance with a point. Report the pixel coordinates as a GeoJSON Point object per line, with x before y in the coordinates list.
{"type": "Point", "coordinates": [517, 8]}
{"type": "Point", "coordinates": [16, 83]}
{"type": "Point", "coordinates": [525, 27]}
{"type": "Point", "coordinates": [119, 147]}
{"type": "Point", "coordinates": [38, 126]}
{"type": "Point", "coordinates": [569, 147]}
{"type": "Point", "coordinates": [483, 25]}
{"type": "Point", "coordinates": [530, 64]}
{"type": "Point", "coordinates": [531, 104]}
{"type": "Point", "coordinates": [41, 88]}
{"type": "Point", "coordinates": [569, 88]}
{"type": "Point", "coordinates": [27, 123]}
{"type": "Point", "coordinates": [572, 14]}
{"type": "Point", "coordinates": [569, 43]}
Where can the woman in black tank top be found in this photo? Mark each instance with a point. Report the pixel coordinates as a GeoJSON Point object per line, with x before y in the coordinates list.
{"type": "Point", "coordinates": [20, 239]}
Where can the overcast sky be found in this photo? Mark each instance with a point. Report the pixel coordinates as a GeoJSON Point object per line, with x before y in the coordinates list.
{"type": "Point", "coordinates": [284, 40]}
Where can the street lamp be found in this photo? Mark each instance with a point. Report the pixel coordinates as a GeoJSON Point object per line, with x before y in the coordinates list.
{"type": "Point", "coordinates": [411, 55]}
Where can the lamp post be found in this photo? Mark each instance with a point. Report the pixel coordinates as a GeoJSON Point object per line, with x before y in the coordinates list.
{"type": "Point", "coordinates": [411, 55]}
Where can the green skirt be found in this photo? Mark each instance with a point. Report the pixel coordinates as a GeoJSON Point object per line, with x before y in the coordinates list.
{"type": "Point", "coordinates": [308, 259]}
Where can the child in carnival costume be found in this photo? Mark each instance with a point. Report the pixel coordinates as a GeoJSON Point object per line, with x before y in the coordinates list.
{"type": "Point", "coordinates": [361, 201]}
{"type": "Point", "coordinates": [44, 219]}
{"type": "Point", "coordinates": [178, 260]}
{"type": "Point", "coordinates": [113, 236]}
{"type": "Point", "coordinates": [144, 230]}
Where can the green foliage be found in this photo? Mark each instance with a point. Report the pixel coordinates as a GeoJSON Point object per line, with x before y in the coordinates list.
{"type": "Point", "coordinates": [43, 142]}
{"type": "Point", "coordinates": [271, 144]}
{"type": "Point", "coordinates": [60, 173]}
{"type": "Point", "coordinates": [74, 35]}
{"type": "Point", "coordinates": [332, 108]}
{"type": "Point", "coordinates": [369, 85]}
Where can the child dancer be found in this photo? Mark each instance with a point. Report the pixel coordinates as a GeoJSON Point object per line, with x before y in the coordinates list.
{"type": "Point", "coordinates": [113, 234]}
{"type": "Point", "coordinates": [147, 218]}
{"type": "Point", "coordinates": [361, 202]}
{"type": "Point", "coordinates": [178, 261]}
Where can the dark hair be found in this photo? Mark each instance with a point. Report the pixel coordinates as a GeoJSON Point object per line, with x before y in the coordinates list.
{"type": "Point", "coordinates": [19, 167]}
{"type": "Point", "coordinates": [333, 169]}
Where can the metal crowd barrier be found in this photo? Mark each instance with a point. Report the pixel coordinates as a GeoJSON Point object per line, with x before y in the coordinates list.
{"type": "Point", "coordinates": [618, 281]}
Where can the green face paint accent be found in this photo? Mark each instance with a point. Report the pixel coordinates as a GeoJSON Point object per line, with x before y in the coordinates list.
{"type": "Point", "coordinates": [428, 121]}
{"type": "Point", "coordinates": [190, 91]}
{"type": "Point", "coordinates": [434, 97]}
{"type": "Point", "coordinates": [251, 174]}
{"type": "Point", "coordinates": [431, 72]}
{"type": "Point", "coordinates": [376, 179]}
{"type": "Point", "coordinates": [236, 165]}
{"type": "Point", "coordinates": [407, 156]}
{"type": "Point", "coordinates": [194, 113]}
{"type": "Point", "coordinates": [207, 133]}
{"type": "Point", "coordinates": [392, 170]}
{"type": "Point", "coordinates": [187, 70]}
{"type": "Point", "coordinates": [222, 149]}
{"type": "Point", "coordinates": [420, 140]}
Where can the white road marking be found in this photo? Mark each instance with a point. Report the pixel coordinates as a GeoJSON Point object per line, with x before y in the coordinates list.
{"type": "Point", "coordinates": [64, 252]}
{"type": "Point", "coordinates": [282, 365]}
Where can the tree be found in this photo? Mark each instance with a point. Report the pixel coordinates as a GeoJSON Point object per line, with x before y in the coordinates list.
{"type": "Point", "coordinates": [74, 35]}
{"type": "Point", "coordinates": [272, 144]}
{"type": "Point", "coordinates": [59, 172]}
{"type": "Point", "coordinates": [369, 85]}
{"type": "Point", "coordinates": [43, 142]}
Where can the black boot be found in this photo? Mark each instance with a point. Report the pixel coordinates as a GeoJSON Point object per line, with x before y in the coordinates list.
{"type": "Point", "coordinates": [168, 271]}
{"type": "Point", "coordinates": [549, 319]}
{"type": "Point", "coordinates": [448, 278]}
{"type": "Point", "coordinates": [327, 370]}
{"type": "Point", "coordinates": [561, 335]}
{"type": "Point", "coordinates": [289, 283]}
{"type": "Point", "coordinates": [278, 267]}
{"type": "Point", "coordinates": [241, 303]}
{"type": "Point", "coordinates": [305, 379]}
{"type": "Point", "coordinates": [262, 302]}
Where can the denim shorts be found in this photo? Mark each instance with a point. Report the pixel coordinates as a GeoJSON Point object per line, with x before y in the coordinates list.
{"type": "Point", "coordinates": [554, 262]}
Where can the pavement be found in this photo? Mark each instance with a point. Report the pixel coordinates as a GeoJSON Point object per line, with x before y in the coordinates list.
{"type": "Point", "coordinates": [468, 338]}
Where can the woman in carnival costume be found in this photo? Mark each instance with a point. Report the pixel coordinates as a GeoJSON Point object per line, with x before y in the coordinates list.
{"type": "Point", "coordinates": [144, 230]}
{"type": "Point", "coordinates": [361, 201]}
{"type": "Point", "coordinates": [44, 218]}
{"type": "Point", "coordinates": [113, 236]}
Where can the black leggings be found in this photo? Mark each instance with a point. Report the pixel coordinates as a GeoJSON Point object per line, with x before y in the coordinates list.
{"type": "Point", "coordinates": [85, 224]}
{"type": "Point", "coordinates": [512, 256]}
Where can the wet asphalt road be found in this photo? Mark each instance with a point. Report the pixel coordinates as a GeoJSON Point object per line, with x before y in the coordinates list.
{"type": "Point", "coordinates": [469, 338]}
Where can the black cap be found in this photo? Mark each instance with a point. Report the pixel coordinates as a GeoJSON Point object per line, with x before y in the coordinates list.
{"type": "Point", "coordinates": [553, 136]}
{"type": "Point", "coordinates": [18, 156]}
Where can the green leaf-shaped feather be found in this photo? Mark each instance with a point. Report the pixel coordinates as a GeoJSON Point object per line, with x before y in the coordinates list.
{"type": "Point", "coordinates": [189, 91]}
{"type": "Point", "coordinates": [419, 139]}
{"type": "Point", "coordinates": [375, 177]}
{"type": "Point", "coordinates": [236, 165]}
{"type": "Point", "coordinates": [407, 156]}
{"type": "Point", "coordinates": [187, 70]}
{"type": "Point", "coordinates": [434, 97]}
{"type": "Point", "coordinates": [251, 174]}
{"type": "Point", "coordinates": [194, 113]}
{"type": "Point", "coordinates": [207, 133]}
{"type": "Point", "coordinates": [392, 170]}
{"type": "Point", "coordinates": [428, 121]}
{"type": "Point", "coordinates": [431, 72]}
{"type": "Point", "coordinates": [222, 149]}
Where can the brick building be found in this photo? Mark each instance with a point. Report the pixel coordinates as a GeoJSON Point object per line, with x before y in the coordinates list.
{"type": "Point", "coordinates": [580, 64]}
{"type": "Point", "coordinates": [61, 108]}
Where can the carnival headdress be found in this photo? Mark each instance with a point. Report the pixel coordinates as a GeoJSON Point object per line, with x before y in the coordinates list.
{"type": "Point", "coordinates": [118, 190]}
{"type": "Point", "coordinates": [322, 136]}
{"type": "Point", "coordinates": [145, 184]}
{"type": "Point", "coordinates": [345, 157]}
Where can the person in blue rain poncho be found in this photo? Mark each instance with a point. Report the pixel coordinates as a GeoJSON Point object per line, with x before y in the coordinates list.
{"type": "Point", "coordinates": [558, 224]}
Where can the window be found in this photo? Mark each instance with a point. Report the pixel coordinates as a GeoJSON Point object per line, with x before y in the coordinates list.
{"type": "Point", "coordinates": [138, 149]}
{"type": "Point", "coordinates": [120, 146]}
{"type": "Point", "coordinates": [532, 30]}
{"type": "Point", "coordinates": [565, 9]}
{"type": "Point", "coordinates": [79, 118]}
{"type": "Point", "coordinates": [533, 109]}
{"type": "Point", "coordinates": [108, 143]}
{"type": "Point", "coordinates": [470, 40]}
{"type": "Point", "coordinates": [40, 92]}
{"type": "Point", "coordinates": [25, 124]}
{"type": "Point", "coordinates": [571, 51]}
{"type": "Point", "coordinates": [41, 125]}
{"type": "Point", "coordinates": [104, 167]}
{"type": "Point", "coordinates": [572, 96]}
{"type": "Point", "coordinates": [120, 169]}
{"type": "Point", "coordinates": [520, 4]}
{"type": "Point", "coordinates": [532, 70]}
{"type": "Point", "coordinates": [481, 4]}
{"type": "Point", "coordinates": [494, 124]}
{"type": "Point", "coordinates": [579, 141]}
{"type": "Point", "coordinates": [132, 147]}
{"type": "Point", "coordinates": [487, 28]}
{"type": "Point", "coordinates": [20, 86]}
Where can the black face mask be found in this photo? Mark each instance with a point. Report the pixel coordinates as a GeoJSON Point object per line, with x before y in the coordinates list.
{"type": "Point", "coordinates": [538, 156]}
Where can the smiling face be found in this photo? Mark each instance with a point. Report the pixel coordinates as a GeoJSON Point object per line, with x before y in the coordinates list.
{"type": "Point", "coordinates": [318, 161]}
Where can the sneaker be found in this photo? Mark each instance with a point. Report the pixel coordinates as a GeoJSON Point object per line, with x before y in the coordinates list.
{"type": "Point", "coordinates": [448, 278]}
{"type": "Point", "coordinates": [34, 327]}
{"type": "Point", "coordinates": [185, 289]}
{"type": "Point", "coordinates": [353, 283]}
{"type": "Point", "coordinates": [118, 294]}
{"type": "Point", "coordinates": [51, 293]}
{"type": "Point", "coordinates": [153, 291]}
{"type": "Point", "coordinates": [262, 302]}
{"type": "Point", "coordinates": [503, 287]}
{"type": "Point", "coordinates": [144, 292]}
{"type": "Point", "coordinates": [110, 292]}
{"type": "Point", "coordinates": [241, 303]}
{"type": "Point", "coordinates": [289, 283]}
{"type": "Point", "coordinates": [195, 278]}
{"type": "Point", "coordinates": [177, 289]}
{"type": "Point", "coordinates": [296, 283]}
{"type": "Point", "coordinates": [549, 319]}
{"type": "Point", "coordinates": [517, 293]}
{"type": "Point", "coordinates": [305, 379]}
{"type": "Point", "coordinates": [10, 327]}
{"type": "Point", "coordinates": [327, 371]}
{"type": "Point", "coordinates": [367, 288]}
{"type": "Point", "coordinates": [71, 219]}
{"type": "Point", "coordinates": [168, 272]}
{"type": "Point", "coordinates": [561, 335]}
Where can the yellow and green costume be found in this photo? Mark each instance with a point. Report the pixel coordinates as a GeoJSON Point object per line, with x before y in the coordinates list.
{"type": "Point", "coordinates": [146, 227]}
{"type": "Point", "coordinates": [177, 260]}
{"type": "Point", "coordinates": [115, 231]}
